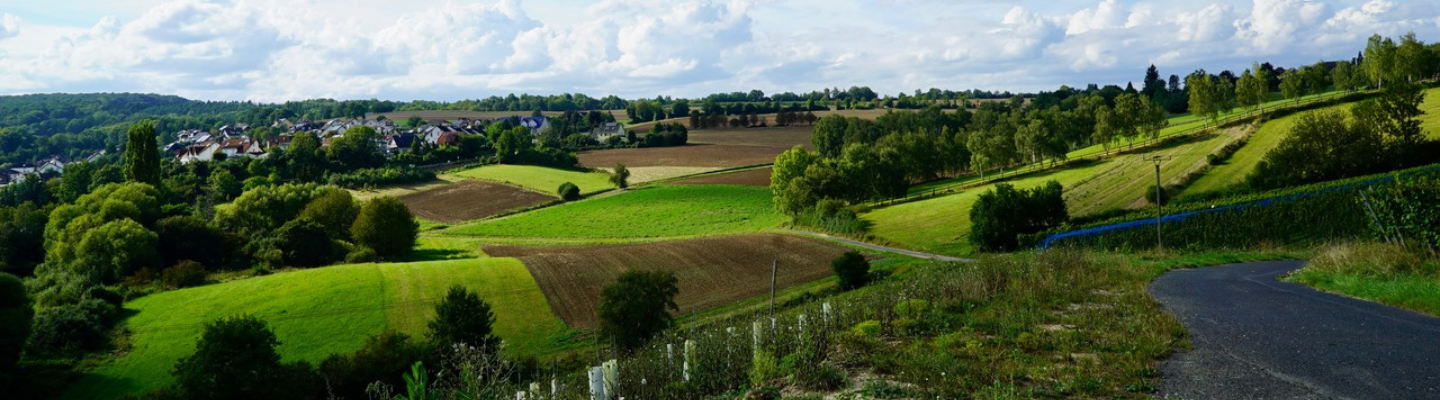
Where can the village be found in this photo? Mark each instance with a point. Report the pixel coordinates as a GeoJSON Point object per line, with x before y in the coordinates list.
{"type": "Point", "coordinates": [235, 140]}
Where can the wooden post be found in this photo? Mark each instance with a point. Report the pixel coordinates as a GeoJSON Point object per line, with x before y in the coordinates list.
{"type": "Point", "coordinates": [774, 272]}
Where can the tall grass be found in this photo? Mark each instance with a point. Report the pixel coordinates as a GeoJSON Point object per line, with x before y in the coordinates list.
{"type": "Point", "coordinates": [1386, 273]}
{"type": "Point", "coordinates": [1057, 324]}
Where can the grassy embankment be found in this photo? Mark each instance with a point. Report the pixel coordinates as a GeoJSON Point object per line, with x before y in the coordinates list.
{"type": "Point", "coordinates": [940, 224]}
{"type": "Point", "coordinates": [1233, 172]}
{"type": "Point", "coordinates": [323, 311]}
{"type": "Point", "coordinates": [1374, 271]}
{"type": "Point", "coordinates": [1058, 324]}
{"type": "Point", "coordinates": [540, 179]}
{"type": "Point", "coordinates": [661, 211]}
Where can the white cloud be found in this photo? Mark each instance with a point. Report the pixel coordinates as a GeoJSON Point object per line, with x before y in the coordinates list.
{"type": "Point", "coordinates": [9, 26]}
{"type": "Point", "coordinates": [275, 50]}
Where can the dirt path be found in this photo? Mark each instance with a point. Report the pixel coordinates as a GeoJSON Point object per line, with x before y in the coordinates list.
{"type": "Point", "coordinates": [1255, 337]}
{"type": "Point", "coordinates": [876, 247]}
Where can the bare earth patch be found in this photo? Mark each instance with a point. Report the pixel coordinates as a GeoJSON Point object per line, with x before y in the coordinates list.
{"type": "Point", "coordinates": [755, 177]}
{"type": "Point", "coordinates": [713, 148]}
{"type": "Point", "coordinates": [470, 200]}
{"type": "Point", "coordinates": [711, 271]}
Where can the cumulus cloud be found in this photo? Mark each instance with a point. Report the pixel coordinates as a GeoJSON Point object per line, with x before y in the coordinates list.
{"type": "Point", "coordinates": [275, 50]}
{"type": "Point", "coordinates": [9, 26]}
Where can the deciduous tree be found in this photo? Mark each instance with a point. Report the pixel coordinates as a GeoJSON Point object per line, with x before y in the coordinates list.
{"type": "Point", "coordinates": [385, 225]}
{"type": "Point", "coordinates": [637, 306]}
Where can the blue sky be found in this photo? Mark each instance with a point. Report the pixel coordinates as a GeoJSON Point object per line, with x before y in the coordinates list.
{"type": "Point", "coordinates": [277, 50]}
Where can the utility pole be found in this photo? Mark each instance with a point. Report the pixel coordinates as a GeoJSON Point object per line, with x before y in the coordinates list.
{"type": "Point", "coordinates": [1159, 242]}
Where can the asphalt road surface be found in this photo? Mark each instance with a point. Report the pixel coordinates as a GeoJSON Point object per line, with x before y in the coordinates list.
{"type": "Point", "coordinates": [1254, 337]}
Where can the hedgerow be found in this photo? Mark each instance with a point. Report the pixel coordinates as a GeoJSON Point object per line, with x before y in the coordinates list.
{"type": "Point", "coordinates": [1296, 216]}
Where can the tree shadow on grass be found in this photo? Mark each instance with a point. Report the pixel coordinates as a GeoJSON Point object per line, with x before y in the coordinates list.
{"type": "Point", "coordinates": [437, 255]}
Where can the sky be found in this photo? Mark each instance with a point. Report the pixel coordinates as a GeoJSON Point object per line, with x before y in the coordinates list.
{"type": "Point", "coordinates": [446, 50]}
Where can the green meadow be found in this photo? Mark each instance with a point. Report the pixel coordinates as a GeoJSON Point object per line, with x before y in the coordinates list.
{"type": "Point", "coordinates": [649, 212]}
{"type": "Point", "coordinates": [324, 311]}
{"type": "Point", "coordinates": [540, 179]}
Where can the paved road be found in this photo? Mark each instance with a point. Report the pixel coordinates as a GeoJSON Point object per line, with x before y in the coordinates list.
{"type": "Point", "coordinates": [1257, 338]}
{"type": "Point", "coordinates": [877, 247]}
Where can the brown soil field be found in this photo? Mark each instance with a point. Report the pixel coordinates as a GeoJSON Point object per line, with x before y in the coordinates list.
{"type": "Point", "coordinates": [755, 177]}
{"type": "Point", "coordinates": [717, 148]}
{"type": "Point", "coordinates": [470, 200]}
{"type": "Point", "coordinates": [711, 271]}
{"type": "Point", "coordinates": [446, 115]}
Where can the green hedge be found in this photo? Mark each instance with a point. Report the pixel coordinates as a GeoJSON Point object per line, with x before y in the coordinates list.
{"type": "Point", "coordinates": [380, 177]}
{"type": "Point", "coordinates": [1293, 216]}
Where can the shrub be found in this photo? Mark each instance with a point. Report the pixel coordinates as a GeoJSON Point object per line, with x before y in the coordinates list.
{"type": "Point", "coordinates": [1164, 193]}
{"type": "Point", "coordinates": [380, 177]}
{"type": "Point", "coordinates": [1002, 214]}
{"type": "Point", "coordinates": [305, 243]}
{"type": "Point", "coordinates": [385, 359]}
{"type": "Point", "coordinates": [851, 269]}
{"type": "Point", "coordinates": [868, 328]}
{"type": "Point", "coordinates": [15, 316]}
{"type": "Point", "coordinates": [569, 192]}
{"type": "Point", "coordinates": [463, 318]}
{"type": "Point", "coordinates": [184, 274]}
{"type": "Point", "coordinates": [764, 368]}
{"type": "Point", "coordinates": [385, 225]}
{"type": "Point", "coordinates": [360, 255]}
{"type": "Point", "coordinates": [637, 306]}
{"type": "Point", "coordinates": [235, 358]}
{"type": "Point", "coordinates": [621, 176]}
{"type": "Point", "coordinates": [69, 330]}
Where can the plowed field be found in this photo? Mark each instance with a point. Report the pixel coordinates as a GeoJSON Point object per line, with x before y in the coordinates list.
{"type": "Point", "coordinates": [470, 200]}
{"type": "Point", "coordinates": [711, 271]}
{"type": "Point", "coordinates": [720, 148]}
{"type": "Point", "coordinates": [755, 177]}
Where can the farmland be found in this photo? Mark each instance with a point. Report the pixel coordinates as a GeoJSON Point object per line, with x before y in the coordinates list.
{"type": "Point", "coordinates": [717, 148]}
{"type": "Point", "coordinates": [711, 271]}
{"type": "Point", "coordinates": [540, 179]}
{"type": "Point", "coordinates": [939, 225]}
{"type": "Point", "coordinates": [323, 311]}
{"type": "Point", "coordinates": [470, 200]}
{"type": "Point", "coordinates": [650, 212]}
{"type": "Point", "coordinates": [1125, 181]}
{"type": "Point", "coordinates": [752, 177]}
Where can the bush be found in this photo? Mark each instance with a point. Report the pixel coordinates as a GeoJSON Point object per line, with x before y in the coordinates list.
{"type": "Point", "coordinates": [1164, 193]}
{"type": "Point", "coordinates": [385, 358]}
{"type": "Point", "coordinates": [463, 318]}
{"type": "Point", "coordinates": [569, 192]}
{"type": "Point", "coordinates": [235, 358]}
{"type": "Point", "coordinates": [851, 269]}
{"type": "Point", "coordinates": [621, 176]}
{"type": "Point", "coordinates": [184, 274]}
{"type": "Point", "coordinates": [1002, 214]}
{"type": "Point", "coordinates": [386, 225]}
{"type": "Point", "coordinates": [380, 177]}
{"type": "Point", "coordinates": [832, 216]}
{"type": "Point", "coordinates": [70, 330]}
{"type": "Point", "coordinates": [15, 316]}
{"type": "Point", "coordinates": [305, 243]}
{"type": "Point", "coordinates": [637, 306]}
{"type": "Point", "coordinates": [360, 255]}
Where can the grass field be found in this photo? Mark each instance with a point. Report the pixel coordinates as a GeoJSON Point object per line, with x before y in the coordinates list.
{"type": "Point", "coordinates": [659, 211]}
{"type": "Point", "coordinates": [470, 200]}
{"type": "Point", "coordinates": [939, 225]}
{"type": "Point", "coordinates": [711, 271]}
{"type": "Point", "coordinates": [1126, 181]}
{"type": "Point", "coordinates": [540, 179]}
{"type": "Point", "coordinates": [324, 311]}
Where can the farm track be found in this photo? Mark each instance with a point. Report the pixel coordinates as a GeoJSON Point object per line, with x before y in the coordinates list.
{"type": "Point", "coordinates": [712, 271]}
{"type": "Point", "coordinates": [879, 248]}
